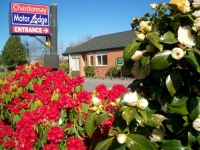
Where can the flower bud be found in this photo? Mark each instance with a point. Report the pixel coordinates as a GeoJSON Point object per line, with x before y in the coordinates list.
{"type": "Point", "coordinates": [113, 104]}
{"type": "Point", "coordinates": [142, 103]}
{"type": "Point", "coordinates": [140, 36]}
{"type": "Point", "coordinates": [121, 138]}
{"type": "Point", "coordinates": [145, 26]}
{"type": "Point", "coordinates": [154, 6]}
{"type": "Point", "coordinates": [136, 56]}
{"type": "Point", "coordinates": [150, 48]}
{"type": "Point", "coordinates": [196, 124]}
{"type": "Point", "coordinates": [94, 108]}
{"type": "Point", "coordinates": [157, 135]}
{"type": "Point", "coordinates": [96, 101]}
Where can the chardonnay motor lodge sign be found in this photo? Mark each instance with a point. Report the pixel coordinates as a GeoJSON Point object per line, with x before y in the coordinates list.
{"type": "Point", "coordinates": [29, 19]}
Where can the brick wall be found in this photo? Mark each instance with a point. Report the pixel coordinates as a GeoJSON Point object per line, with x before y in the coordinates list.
{"type": "Point", "coordinates": [100, 71]}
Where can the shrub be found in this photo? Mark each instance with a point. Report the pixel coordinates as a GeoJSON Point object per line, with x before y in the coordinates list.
{"type": "Point", "coordinates": [89, 71]}
{"type": "Point", "coordinates": [113, 72]}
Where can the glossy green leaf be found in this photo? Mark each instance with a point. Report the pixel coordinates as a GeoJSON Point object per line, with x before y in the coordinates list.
{"type": "Point", "coordinates": [128, 115]}
{"type": "Point", "coordinates": [144, 60]}
{"type": "Point", "coordinates": [16, 119]}
{"type": "Point", "coordinates": [194, 107]}
{"type": "Point", "coordinates": [138, 142]}
{"type": "Point", "coordinates": [173, 82]}
{"type": "Point", "coordinates": [156, 91]}
{"type": "Point", "coordinates": [100, 118]}
{"type": "Point", "coordinates": [173, 145]}
{"type": "Point", "coordinates": [162, 60]}
{"type": "Point", "coordinates": [172, 125]}
{"type": "Point", "coordinates": [85, 107]}
{"type": "Point", "coordinates": [130, 49]}
{"type": "Point", "coordinates": [179, 105]}
{"type": "Point", "coordinates": [152, 121]}
{"type": "Point", "coordinates": [154, 38]}
{"type": "Point", "coordinates": [193, 59]}
{"type": "Point", "coordinates": [104, 145]}
{"type": "Point", "coordinates": [169, 38]}
{"type": "Point", "coordinates": [90, 125]}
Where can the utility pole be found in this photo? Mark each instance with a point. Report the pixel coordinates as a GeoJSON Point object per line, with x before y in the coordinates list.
{"type": "Point", "coordinates": [53, 58]}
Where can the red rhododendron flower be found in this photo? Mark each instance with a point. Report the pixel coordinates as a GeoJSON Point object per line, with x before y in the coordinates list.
{"type": "Point", "coordinates": [75, 144]}
{"type": "Point", "coordinates": [9, 144]}
{"type": "Point", "coordinates": [107, 124]}
{"type": "Point", "coordinates": [55, 134]}
{"type": "Point", "coordinates": [50, 147]}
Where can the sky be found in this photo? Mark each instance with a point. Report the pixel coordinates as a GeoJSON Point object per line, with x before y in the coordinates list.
{"type": "Point", "coordinates": [80, 18]}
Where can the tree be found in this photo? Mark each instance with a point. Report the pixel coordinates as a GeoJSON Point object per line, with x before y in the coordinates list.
{"type": "Point", "coordinates": [80, 41]}
{"type": "Point", "coordinates": [14, 53]}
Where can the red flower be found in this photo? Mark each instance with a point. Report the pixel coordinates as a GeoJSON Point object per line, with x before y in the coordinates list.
{"type": "Point", "coordinates": [9, 144]}
{"type": "Point", "coordinates": [55, 134]}
{"type": "Point", "coordinates": [75, 144]}
{"type": "Point", "coordinates": [50, 147]}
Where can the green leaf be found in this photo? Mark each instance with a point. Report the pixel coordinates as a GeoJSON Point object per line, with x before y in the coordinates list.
{"type": "Point", "coordinates": [193, 59]}
{"type": "Point", "coordinates": [90, 125]}
{"type": "Point", "coordinates": [128, 115]}
{"type": "Point", "coordinates": [152, 121]}
{"type": "Point", "coordinates": [197, 41]}
{"type": "Point", "coordinates": [138, 142]}
{"type": "Point", "coordinates": [144, 60]}
{"type": "Point", "coordinates": [154, 38]}
{"type": "Point", "coordinates": [16, 119]}
{"type": "Point", "coordinates": [179, 105]}
{"type": "Point", "coordinates": [173, 82]}
{"type": "Point", "coordinates": [172, 125]}
{"type": "Point", "coordinates": [104, 145]}
{"type": "Point", "coordinates": [156, 91]}
{"type": "Point", "coordinates": [100, 118]}
{"type": "Point", "coordinates": [169, 38]}
{"type": "Point", "coordinates": [194, 107]}
{"type": "Point", "coordinates": [162, 60]}
{"type": "Point", "coordinates": [85, 107]}
{"type": "Point", "coordinates": [130, 49]}
{"type": "Point", "coordinates": [173, 145]}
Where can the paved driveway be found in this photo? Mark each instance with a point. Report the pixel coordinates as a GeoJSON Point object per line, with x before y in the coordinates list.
{"type": "Point", "coordinates": [90, 84]}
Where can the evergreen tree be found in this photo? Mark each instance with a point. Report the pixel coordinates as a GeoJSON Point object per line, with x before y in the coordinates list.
{"type": "Point", "coordinates": [14, 52]}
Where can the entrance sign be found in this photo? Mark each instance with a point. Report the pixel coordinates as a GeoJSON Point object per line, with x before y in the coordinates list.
{"type": "Point", "coordinates": [119, 61]}
{"type": "Point", "coordinates": [31, 19]}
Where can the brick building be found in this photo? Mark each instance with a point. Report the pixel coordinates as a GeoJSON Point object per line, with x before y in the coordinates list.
{"type": "Point", "coordinates": [102, 52]}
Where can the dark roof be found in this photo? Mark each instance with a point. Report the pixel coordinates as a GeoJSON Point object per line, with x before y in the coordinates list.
{"type": "Point", "coordinates": [104, 42]}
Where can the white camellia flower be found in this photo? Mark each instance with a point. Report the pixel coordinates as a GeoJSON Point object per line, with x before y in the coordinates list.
{"type": "Point", "coordinates": [136, 56]}
{"type": "Point", "coordinates": [145, 26]}
{"type": "Point", "coordinates": [196, 124]}
{"type": "Point", "coordinates": [197, 23]}
{"type": "Point", "coordinates": [140, 35]}
{"type": "Point", "coordinates": [196, 13]}
{"type": "Point", "coordinates": [121, 138]}
{"type": "Point", "coordinates": [183, 5]}
{"type": "Point", "coordinates": [142, 103]}
{"type": "Point", "coordinates": [186, 37]}
{"type": "Point", "coordinates": [157, 135]}
{"type": "Point", "coordinates": [96, 101]}
{"type": "Point", "coordinates": [130, 98]}
{"type": "Point", "coordinates": [196, 3]}
{"type": "Point", "coordinates": [177, 53]}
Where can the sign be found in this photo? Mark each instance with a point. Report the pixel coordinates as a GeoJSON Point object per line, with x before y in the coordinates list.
{"type": "Point", "coordinates": [119, 61]}
{"type": "Point", "coordinates": [30, 19]}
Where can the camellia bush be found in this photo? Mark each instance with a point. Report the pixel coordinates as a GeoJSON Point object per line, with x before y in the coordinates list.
{"type": "Point", "coordinates": [41, 109]}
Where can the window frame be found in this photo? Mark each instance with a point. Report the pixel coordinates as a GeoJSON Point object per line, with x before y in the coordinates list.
{"type": "Point", "coordinates": [76, 57]}
{"type": "Point", "coordinates": [101, 54]}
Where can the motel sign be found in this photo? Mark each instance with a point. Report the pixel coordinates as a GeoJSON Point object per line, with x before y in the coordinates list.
{"type": "Point", "coordinates": [29, 19]}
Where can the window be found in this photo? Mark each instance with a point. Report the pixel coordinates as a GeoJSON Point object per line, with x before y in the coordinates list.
{"type": "Point", "coordinates": [74, 64]}
{"type": "Point", "coordinates": [90, 60]}
{"type": "Point", "coordinates": [101, 58]}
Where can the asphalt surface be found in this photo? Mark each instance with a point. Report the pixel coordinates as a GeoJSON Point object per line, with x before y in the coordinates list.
{"type": "Point", "coordinates": [90, 84]}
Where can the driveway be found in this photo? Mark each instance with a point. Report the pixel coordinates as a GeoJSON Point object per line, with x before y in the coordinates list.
{"type": "Point", "coordinates": [90, 84]}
